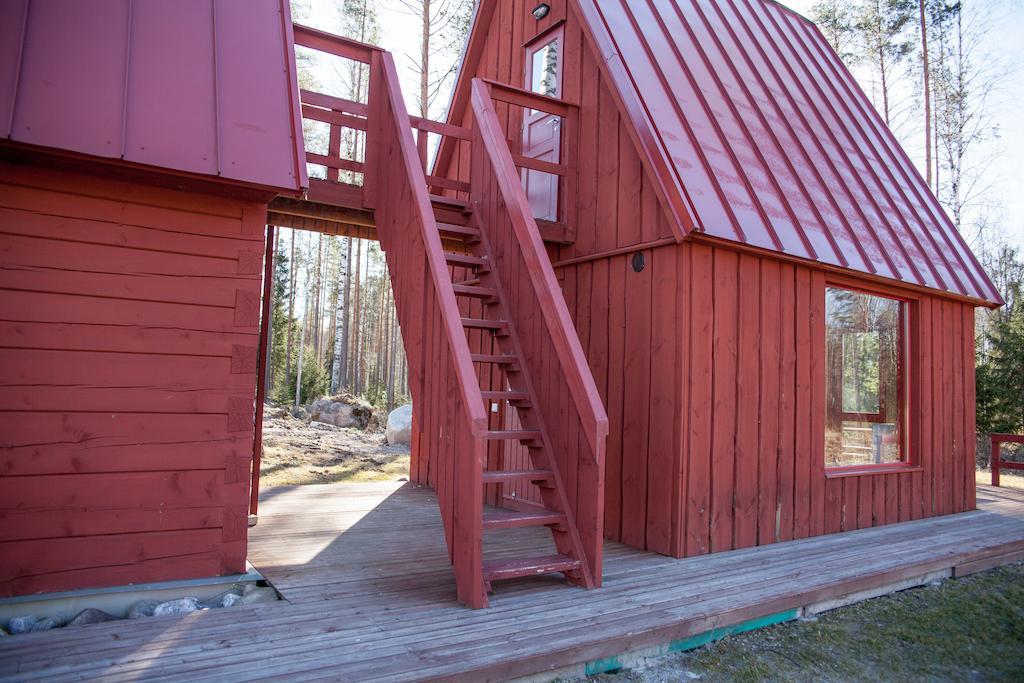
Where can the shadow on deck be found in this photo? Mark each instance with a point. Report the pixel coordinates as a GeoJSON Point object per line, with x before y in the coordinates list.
{"type": "Point", "coordinates": [370, 596]}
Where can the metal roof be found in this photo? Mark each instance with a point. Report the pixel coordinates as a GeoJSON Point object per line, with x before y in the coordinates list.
{"type": "Point", "coordinates": [758, 134]}
{"type": "Point", "coordinates": [200, 86]}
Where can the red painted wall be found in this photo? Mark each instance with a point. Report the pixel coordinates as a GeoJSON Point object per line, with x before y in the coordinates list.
{"type": "Point", "coordinates": [710, 360]}
{"type": "Point", "coordinates": [128, 335]}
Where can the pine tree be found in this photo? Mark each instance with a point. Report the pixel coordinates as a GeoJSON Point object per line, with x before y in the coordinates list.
{"type": "Point", "coordinates": [835, 19]}
{"type": "Point", "coordinates": [883, 26]}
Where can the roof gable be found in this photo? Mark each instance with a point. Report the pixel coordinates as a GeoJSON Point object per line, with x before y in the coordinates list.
{"type": "Point", "coordinates": [758, 134]}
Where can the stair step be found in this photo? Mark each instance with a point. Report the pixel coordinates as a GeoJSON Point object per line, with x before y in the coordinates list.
{"type": "Point", "coordinates": [449, 202]}
{"type": "Point", "coordinates": [453, 230]}
{"type": "Point", "coordinates": [498, 359]}
{"type": "Point", "coordinates": [482, 324]}
{"type": "Point", "coordinates": [465, 260]}
{"type": "Point", "coordinates": [496, 570]}
{"type": "Point", "coordinates": [509, 434]}
{"type": "Point", "coordinates": [511, 519]}
{"type": "Point", "coordinates": [505, 476]}
{"type": "Point", "coordinates": [505, 395]}
{"type": "Point", "coordinates": [474, 291]}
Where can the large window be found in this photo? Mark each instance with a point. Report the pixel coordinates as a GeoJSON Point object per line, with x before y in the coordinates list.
{"type": "Point", "coordinates": [865, 393]}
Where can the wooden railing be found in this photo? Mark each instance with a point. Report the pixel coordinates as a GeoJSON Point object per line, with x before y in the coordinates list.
{"type": "Point", "coordinates": [565, 168]}
{"type": "Point", "coordinates": [554, 363]}
{"type": "Point", "coordinates": [341, 115]}
{"type": "Point", "coordinates": [449, 420]}
{"type": "Point", "coordinates": [997, 462]}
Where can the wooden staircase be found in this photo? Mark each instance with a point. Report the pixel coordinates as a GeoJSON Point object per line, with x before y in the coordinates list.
{"type": "Point", "coordinates": [474, 279]}
{"type": "Point", "coordinates": [484, 322]}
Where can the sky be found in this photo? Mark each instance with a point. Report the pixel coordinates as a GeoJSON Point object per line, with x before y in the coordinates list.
{"type": "Point", "coordinates": [1005, 154]}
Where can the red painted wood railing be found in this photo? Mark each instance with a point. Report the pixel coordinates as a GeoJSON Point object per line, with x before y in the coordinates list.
{"type": "Point", "coordinates": [450, 422]}
{"type": "Point", "coordinates": [997, 462]}
{"type": "Point", "coordinates": [554, 362]}
{"type": "Point", "coordinates": [450, 419]}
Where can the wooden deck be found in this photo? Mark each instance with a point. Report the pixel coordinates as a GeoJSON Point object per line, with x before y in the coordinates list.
{"type": "Point", "coordinates": [358, 608]}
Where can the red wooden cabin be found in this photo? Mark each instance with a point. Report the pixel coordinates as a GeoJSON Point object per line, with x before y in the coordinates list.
{"type": "Point", "coordinates": [778, 314]}
{"type": "Point", "coordinates": [141, 144]}
{"type": "Point", "coordinates": [669, 281]}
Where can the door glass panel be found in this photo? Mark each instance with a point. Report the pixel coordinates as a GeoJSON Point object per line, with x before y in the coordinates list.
{"type": "Point", "coordinates": [544, 79]}
{"type": "Point", "coordinates": [542, 131]}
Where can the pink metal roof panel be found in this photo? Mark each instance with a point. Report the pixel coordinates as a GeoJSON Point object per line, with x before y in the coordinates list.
{"type": "Point", "coordinates": [760, 135]}
{"type": "Point", "coordinates": [201, 86]}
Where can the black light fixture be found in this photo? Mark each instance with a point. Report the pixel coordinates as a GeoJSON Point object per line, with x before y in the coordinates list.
{"type": "Point", "coordinates": [541, 11]}
{"type": "Point", "coordinates": [638, 261]}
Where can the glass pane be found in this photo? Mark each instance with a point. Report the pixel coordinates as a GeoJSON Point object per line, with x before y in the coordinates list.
{"type": "Point", "coordinates": [863, 379]}
{"type": "Point", "coordinates": [860, 372]}
{"type": "Point", "coordinates": [545, 70]}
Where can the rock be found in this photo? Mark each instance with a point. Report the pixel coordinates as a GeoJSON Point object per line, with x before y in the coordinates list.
{"type": "Point", "coordinates": [23, 624]}
{"type": "Point", "coordinates": [142, 608]}
{"type": "Point", "coordinates": [275, 412]}
{"type": "Point", "coordinates": [179, 606]}
{"type": "Point", "coordinates": [321, 425]}
{"type": "Point", "coordinates": [399, 429]}
{"type": "Point", "coordinates": [30, 624]}
{"type": "Point", "coordinates": [258, 594]}
{"type": "Point", "coordinates": [230, 600]}
{"type": "Point", "coordinates": [341, 411]}
{"type": "Point", "coordinates": [44, 624]}
{"type": "Point", "coordinates": [299, 413]}
{"type": "Point", "coordinates": [91, 615]}
{"type": "Point", "coordinates": [231, 595]}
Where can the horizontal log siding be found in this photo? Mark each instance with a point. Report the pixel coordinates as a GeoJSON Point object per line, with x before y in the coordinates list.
{"type": "Point", "coordinates": [128, 350]}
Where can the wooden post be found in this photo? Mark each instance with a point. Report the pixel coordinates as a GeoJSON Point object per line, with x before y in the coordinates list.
{"type": "Point", "coordinates": [995, 460]}
{"type": "Point", "coordinates": [261, 372]}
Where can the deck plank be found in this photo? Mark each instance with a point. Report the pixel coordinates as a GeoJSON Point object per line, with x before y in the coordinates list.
{"type": "Point", "coordinates": [370, 595]}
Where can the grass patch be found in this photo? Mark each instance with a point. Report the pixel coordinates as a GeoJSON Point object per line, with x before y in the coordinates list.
{"type": "Point", "coordinates": [970, 629]}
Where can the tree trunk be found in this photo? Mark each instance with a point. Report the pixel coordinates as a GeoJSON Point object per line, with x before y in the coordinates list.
{"type": "Point", "coordinates": [927, 96]}
{"type": "Point", "coordinates": [339, 325]}
{"type": "Point", "coordinates": [425, 63]}
{"type": "Point", "coordinates": [291, 311]}
{"type": "Point", "coordinates": [357, 320]}
{"type": "Point", "coordinates": [315, 330]}
{"type": "Point", "coordinates": [270, 328]}
{"type": "Point", "coordinates": [393, 352]}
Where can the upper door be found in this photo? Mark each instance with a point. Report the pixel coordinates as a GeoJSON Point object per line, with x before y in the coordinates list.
{"type": "Point", "coordinates": [542, 131]}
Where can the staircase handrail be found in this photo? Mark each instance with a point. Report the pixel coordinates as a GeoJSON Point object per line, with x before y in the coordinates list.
{"type": "Point", "coordinates": [556, 316]}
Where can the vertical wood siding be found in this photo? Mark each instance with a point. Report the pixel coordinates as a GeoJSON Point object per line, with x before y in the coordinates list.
{"type": "Point", "coordinates": [128, 350]}
{"type": "Point", "coordinates": [745, 427]}
{"type": "Point", "coordinates": [710, 362]}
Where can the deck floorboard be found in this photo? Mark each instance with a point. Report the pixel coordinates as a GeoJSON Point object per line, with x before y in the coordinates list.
{"type": "Point", "coordinates": [370, 596]}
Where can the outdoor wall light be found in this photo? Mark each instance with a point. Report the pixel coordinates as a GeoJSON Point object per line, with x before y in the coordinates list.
{"type": "Point", "coordinates": [541, 11]}
{"type": "Point", "coordinates": [638, 261]}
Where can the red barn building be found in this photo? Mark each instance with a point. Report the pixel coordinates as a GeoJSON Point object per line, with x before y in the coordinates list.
{"type": "Point", "coordinates": [670, 280]}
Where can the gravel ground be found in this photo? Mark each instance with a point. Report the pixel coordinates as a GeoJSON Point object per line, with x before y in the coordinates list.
{"type": "Point", "coordinates": [295, 452]}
